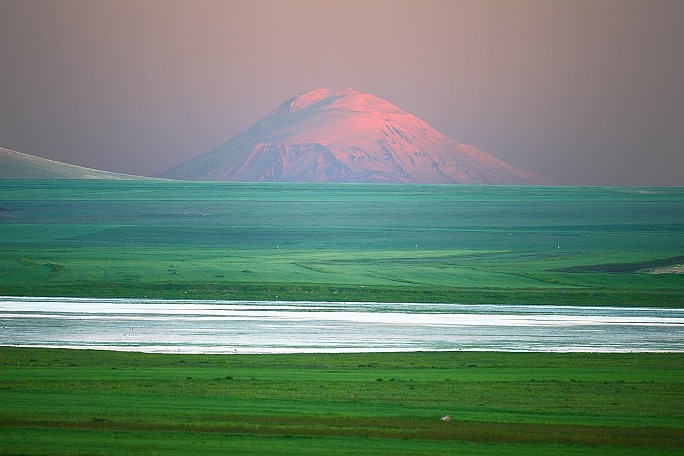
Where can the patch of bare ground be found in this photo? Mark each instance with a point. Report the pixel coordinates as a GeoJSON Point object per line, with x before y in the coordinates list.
{"type": "Point", "coordinates": [674, 269]}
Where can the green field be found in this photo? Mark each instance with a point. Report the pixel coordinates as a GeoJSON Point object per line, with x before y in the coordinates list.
{"type": "Point", "coordinates": [59, 402]}
{"type": "Point", "coordinates": [351, 242]}
{"type": "Point", "coordinates": [400, 243]}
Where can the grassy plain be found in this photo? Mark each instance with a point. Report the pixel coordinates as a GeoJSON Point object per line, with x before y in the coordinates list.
{"type": "Point", "coordinates": [83, 402]}
{"type": "Point", "coordinates": [401, 243]}
{"type": "Point", "coordinates": [590, 246]}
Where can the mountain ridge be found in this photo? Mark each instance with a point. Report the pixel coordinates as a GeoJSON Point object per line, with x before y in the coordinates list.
{"type": "Point", "coordinates": [347, 136]}
{"type": "Point", "coordinates": [18, 165]}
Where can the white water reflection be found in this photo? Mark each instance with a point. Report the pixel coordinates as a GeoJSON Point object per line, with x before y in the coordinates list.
{"type": "Point", "coordinates": [289, 327]}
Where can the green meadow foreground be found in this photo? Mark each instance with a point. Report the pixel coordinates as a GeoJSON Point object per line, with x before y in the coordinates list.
{"type": "Point", "coordinates": [82, 402]}
{"type": "Point", "coordinates": [346, 242]}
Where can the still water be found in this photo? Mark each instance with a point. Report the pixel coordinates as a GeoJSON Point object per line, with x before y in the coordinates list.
{"type": "Point", "coordinates": [177, 326]}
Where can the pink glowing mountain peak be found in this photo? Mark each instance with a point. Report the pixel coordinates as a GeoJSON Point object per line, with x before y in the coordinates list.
{"type": "Point", "coordinates": [347, 136]}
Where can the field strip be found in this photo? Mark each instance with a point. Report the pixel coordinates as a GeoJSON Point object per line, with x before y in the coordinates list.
{"type": "Point", "coordinates": [395, 428]}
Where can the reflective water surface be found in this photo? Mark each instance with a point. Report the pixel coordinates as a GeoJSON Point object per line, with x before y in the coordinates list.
{"type": "Point", "coordinates": [179, 326]}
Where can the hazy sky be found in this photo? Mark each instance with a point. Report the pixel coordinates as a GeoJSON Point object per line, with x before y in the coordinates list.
{"type": "Point", "coordinates": [587, 92]}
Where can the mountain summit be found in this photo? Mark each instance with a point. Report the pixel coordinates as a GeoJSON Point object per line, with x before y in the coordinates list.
{"type": "Point", "coordinates": [347, 136]}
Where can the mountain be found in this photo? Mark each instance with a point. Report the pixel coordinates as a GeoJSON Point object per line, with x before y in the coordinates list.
{"type": "Point", "coordinates": [347, 136]}
{"type": "Point", "coordinates": [15, 165]}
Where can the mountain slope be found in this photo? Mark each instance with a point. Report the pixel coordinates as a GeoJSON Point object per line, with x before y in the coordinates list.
{"type": "Point", "coordinates": [16, 165]}
{"type": "Point", "coordinates": [347, 136]}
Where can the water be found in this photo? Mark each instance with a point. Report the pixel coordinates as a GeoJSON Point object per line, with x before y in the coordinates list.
{"type": "Point", "coordinates": [178, 326]}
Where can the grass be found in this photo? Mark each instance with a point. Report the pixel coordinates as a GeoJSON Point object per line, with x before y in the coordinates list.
{"type": "Point", "coordinates": [62, 402]}
{"type": "Point", "coordinates": [465, 244]}
{"type": "Point", "coordinates": [376, 243]}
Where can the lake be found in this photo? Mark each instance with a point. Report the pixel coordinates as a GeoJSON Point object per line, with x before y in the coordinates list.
{"type": "Point", "coordinates": [184, 326]}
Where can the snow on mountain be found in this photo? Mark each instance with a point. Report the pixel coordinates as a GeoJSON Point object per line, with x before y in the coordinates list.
{"type": "Point", "coordinates": [347, 136]}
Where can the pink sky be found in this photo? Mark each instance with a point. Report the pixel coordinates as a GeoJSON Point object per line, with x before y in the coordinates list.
{"type": "Point", "coordinates": [585, 92]}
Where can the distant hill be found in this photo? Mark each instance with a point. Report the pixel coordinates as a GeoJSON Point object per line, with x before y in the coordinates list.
{"type": "Point", "coordinates": [16, 165]}
{"type": "Point", "coordinates": [347, 136]}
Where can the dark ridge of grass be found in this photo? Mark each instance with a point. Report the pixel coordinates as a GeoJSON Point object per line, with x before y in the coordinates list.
{"type": "Point", "coordinates": [394, 428]}
{"type": "Point", "coordinates": [21, 357]}
{"type": "Point", "coordinates": [617, 268]}
{"type": "Point", "coordinates": [672, 298]}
